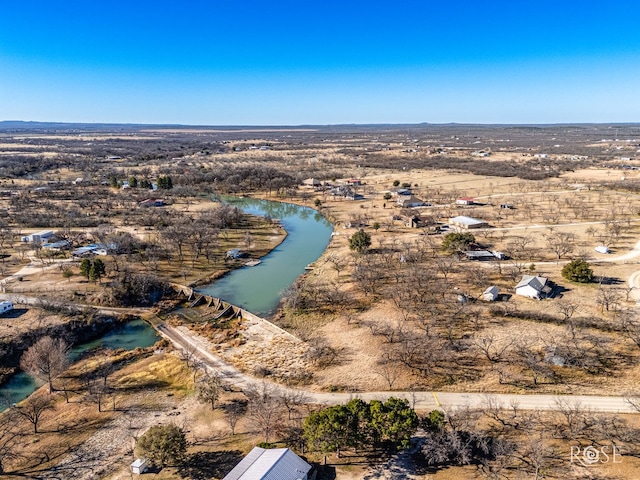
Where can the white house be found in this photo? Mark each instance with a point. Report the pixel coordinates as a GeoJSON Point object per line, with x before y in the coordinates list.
{"type": "Point", "coordinates": [533, 287]}
{"type": "Point", "coordinates": [5, 307]}
{"type": "Point", "coordinates": [270, 464]}
{"type": "Point", "coordinates": [465, 201]}
{"type": "Point", "coordinates": [312, 182]}
{"type": "Point", "coordinates": [491, 294]}
{"type": "Point", "coordinates": [409, 202]}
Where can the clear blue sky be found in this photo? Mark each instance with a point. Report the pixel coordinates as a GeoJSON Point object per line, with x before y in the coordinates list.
{"type": "Point", "coordinates": [319, 62]}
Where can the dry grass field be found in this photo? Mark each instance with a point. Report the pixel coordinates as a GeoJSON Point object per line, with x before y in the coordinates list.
{"type": "Point", "coordinates": [568, 191]}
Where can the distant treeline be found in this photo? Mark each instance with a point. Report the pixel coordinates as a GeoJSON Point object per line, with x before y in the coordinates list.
{"type": "Point", "coordinates": [532, 169]}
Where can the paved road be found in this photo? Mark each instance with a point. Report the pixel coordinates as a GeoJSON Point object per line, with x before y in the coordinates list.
{"type": "Point", "coordinates": [182, 338]}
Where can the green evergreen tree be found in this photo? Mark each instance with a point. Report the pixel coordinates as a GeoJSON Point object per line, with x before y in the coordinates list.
{"type": "Point", "coordinates": [165, 182]}
{"type": "Point", "coordinates": [457, 242]}
{"type": "Point", "coordinates": [361, 425]}
{"type": "Point", "coordinates": [85, 266]}
{"type": "Point", "coordinates": [578, 271]}
{"type": "Point", "coordinates": [133, 182]}
{"type": "Point", "coordinates": [360, 241]}
{"type": "Point", "coordinates": [97, 270]}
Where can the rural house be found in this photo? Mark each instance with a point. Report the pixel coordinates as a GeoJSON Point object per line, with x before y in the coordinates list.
{"type": "Point", "coordinates": [465, 201]}
{"type": "Point", "coordinates": [410, 202]}
{"type": "Point", "coordinates": [270, 464]}
{"type": "Point", "coordinates": [533, 287]}
{"type": "Point", "coordinates": [467, 223]}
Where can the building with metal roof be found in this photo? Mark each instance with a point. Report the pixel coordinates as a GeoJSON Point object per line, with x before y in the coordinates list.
{"type": "Point", "coordinates": [465, 222]}
{"type": "Point", "coordinates": [270, 464]}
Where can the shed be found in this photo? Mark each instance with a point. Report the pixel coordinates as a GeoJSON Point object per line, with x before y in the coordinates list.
{"type": "Point", "coordinates": [465, 222]}
{"type": "Point", "coordinates": [6, 306]}
{"type": "Point", "coordinates": [480, 255]}
{"type": "Point", "coordinates": [270, 464]}
{"type": "Point", "coordinates": [491, 294]}
{"type": "Point", "coordinates": [139, 466]}
{"type": "Point", "coordinates": [465, 201]}
{"type": "Point", "coordinates": [39, 237]}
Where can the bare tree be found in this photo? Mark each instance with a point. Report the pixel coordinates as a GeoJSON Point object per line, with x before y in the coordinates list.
{"type": "Point", "coordinates": [188, 354]}
{"type": "Point", "coordinates": [490, 349]}
{"type": "Point", "coordinates": [11, 441]}
{"type": "Point", "coordinates": [47, 358]}
{"type": "Point", "coordinates": [566, 308]}
{"type": "Point", "coordinates": [263, 409]}
{"type": "Point", "coordinates": [560, 243]}
{"type": "Point", "coordinates": [209, 388]}
{"type": "Point", "coordinates": [389, 370]}
{"type": "Point", "coordinates": [33, 408]}
{"type": "Point", "coordinates": [233, 412]}
{"type": "Point", "coordinates": [95, 387]}
{"type": "Point", "coordinates": [292, 399]}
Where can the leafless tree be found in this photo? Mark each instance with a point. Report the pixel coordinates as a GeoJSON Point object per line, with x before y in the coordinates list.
{"type": "Point", "coordinates": [95, 388]}
{"type": "Point", "coordinates": [560, 243]}
{"type": "Point", "coordinates": [264, 410]}
{"type": "Point", "coordinates": [489, 348]}
{"type": "Point", "coordinates": [189, 355]}
{"type": "Point", "coordinates": [339, 263]}
{"type": "Point", "coordinates": [389, 370]}
{"type": "Point", "coordinates": [566, 308]}
{"type": "Point", "coordinates": [11, 441]}
{"type": "Point", "coordinates": [47, 358]}
{"type": "Point", "coordinates": [33, 408]}
{"type": "Point", "coordinates": [608, 298]}
{"type": "Point", "coordinates": [233, 412]}
{"type": "Point", "coordinates": [292, 399]}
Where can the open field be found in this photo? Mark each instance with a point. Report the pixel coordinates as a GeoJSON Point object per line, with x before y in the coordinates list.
{"type": "Point", "coordinates": [402, 315]}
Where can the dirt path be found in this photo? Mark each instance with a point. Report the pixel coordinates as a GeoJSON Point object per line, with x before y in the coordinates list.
{"type": "Point", "coordinates": [182, 338]}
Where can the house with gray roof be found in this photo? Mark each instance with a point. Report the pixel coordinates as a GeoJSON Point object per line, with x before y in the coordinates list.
{"type": "Point", "coordinates": [534, 287]}
{"type": "Point", "coordinates": [270, 464]}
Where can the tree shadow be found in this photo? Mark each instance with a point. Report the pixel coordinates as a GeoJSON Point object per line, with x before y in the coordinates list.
{"type": "Point", "coordinates": [608, 280]}
{"type": "Point", "coordinates": [325, 472]}
{"type": "Point", "coordinates": [206, 465]}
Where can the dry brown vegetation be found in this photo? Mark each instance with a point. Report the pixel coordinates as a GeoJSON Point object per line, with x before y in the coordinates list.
{"type": "Point", "coordinates": [389, 319]}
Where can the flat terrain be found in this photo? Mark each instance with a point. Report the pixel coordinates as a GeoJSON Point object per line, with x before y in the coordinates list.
{"type": "Point", "coordinates": [403, 316]}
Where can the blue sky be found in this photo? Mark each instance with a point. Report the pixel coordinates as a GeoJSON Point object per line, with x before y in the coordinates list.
{"type": "Point", "coordinates": [325, 62]}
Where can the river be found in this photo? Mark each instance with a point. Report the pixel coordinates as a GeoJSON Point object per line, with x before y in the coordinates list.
{"type": "Point", "coordinates": [257, 289]}
{"type": "Point", "coordinates": [132, 335]}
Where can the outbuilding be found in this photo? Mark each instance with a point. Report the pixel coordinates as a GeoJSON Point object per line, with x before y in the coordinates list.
{"type": "Point", "coordinates": [139, 466]}
{"type": "Point", "coordinates": [465, 201]}
{"type": "Point", "coordinates": [38, 237]}
{"type": "Point", "coordinates": [466, 223]}
{"type": "Point", "coordinates": [5, 306]}
{"type": "Point", "coordinates": [491, 294]}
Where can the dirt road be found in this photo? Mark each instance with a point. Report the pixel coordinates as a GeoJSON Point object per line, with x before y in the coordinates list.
{"type": "Point", "coordinates": [182, 338]}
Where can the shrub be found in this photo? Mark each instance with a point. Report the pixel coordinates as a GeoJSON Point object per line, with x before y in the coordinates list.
{"type": "Point", "coordinates": [578, 271]}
